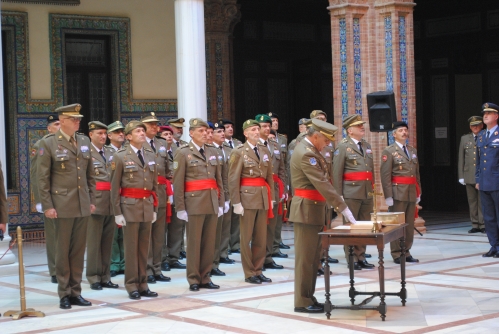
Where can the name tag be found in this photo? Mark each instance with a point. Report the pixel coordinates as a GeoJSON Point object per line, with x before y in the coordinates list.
{"type": "Point", "coordinates": [213, 157]}
{"type": "Point", "coordinates": [265, 158]}
{"type": "Point", "coordinates": [277, 152]}
{"type": "Point", "coordinates": [84, 148]}
{"type": "Point", "coordinates": [151, 163]}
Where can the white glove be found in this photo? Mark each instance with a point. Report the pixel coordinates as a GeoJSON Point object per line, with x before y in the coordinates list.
{"type": "Point", "coordinates": [348, 216]}
{"type": "Point", "coordinates": [272, 205]}
{"type": "Point", "coordinates": [462, 182]}
{"type": "Point", "coordinates": [389, 201]}
{"type": "Point", "coordinates": [120, 220]}
{"type": "Point", "coordinates": [286, 196]}
{"type": "Point", "coordinates": [227, 207]}
{"type": "Point", "coordinates": [283, 197]}
{"type": "Point", "coordinates": [238, 209]}
{"type": "Point", "coordinates": [342, 198]}
{"type": "Point", "coordinates": [170, 198]}
{"type": "Point", "coordinates": [39, 207]}
{"type": "Point", "coordinates": [220, 211]}
{"type": "Point", "coordinates": [182, 215]}
{"type": "Point", "coordinates": [154, 217]}
{"type": "Point", "coordinates": [418, 199]}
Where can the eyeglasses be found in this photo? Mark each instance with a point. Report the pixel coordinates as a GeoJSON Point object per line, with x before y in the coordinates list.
{"type": "Point", "coordinates": [75, 119]}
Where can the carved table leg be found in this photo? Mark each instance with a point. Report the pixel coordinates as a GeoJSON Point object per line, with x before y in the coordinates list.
{"type": "Point", "coordinates": [403, 291]}
{"type": "Point", "coordinates": [350, 267]}
{"type": "Point", "coordinates": [381, 273]}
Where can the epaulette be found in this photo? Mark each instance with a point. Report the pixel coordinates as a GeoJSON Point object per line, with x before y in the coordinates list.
{"type": "Point", "coordinates": [122, 149]}
{"type": "Point", "coordinates": [273, 140]}
{"type": "Point", "coordinates": [48, 135]}
{"type": "Point", "coordinates": [344, 140]}
{"type": "Point", "coordinates": [363, 140]}
{"type": "Point", "coordinates": [148, 149]}
{"type": "Point", "coordinates": [260, 143]}
{"type": "Point", "coordinates": [209, 145]}
{"type": "Point", "coordinates": [183, 146]}
{"type": "Point", "coordinates": [239, 146]}
{"type": "Point", "coordinates": [282, 135]}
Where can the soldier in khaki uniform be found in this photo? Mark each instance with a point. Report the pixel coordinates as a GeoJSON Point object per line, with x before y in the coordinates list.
{"type": "Point", "coordinates": [4, 206]}
{"type": "Point", "coordinates": [134, 184]}
{"type": "Point", "coordinates": [466, 173]}
{"type": "Point", "coordinates": [401, 184]}
{"type": "Point", "coordinates": [53, 126]}
{"type": "Point", "coordinates": [158, 236]}
{"type": "Point", "coordinates": [251, 187]}
{"type": "Point", "coordinates": [100, 229]}
{"type": "Point", "coordinates": [66, 187]}
{"type": "Point", "coordinates": [313, 194]}
{"type": "Point", "coordinates": [353, 178]}
{"type": "Point", "coordinates": [199, 200]}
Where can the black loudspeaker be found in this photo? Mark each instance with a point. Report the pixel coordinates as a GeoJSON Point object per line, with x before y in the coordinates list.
{"type": "Point", "coordinates": [382, 111]}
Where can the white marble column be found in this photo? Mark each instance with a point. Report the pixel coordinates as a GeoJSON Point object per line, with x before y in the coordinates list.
{"type": "Point", "coordinates": [191, 59]}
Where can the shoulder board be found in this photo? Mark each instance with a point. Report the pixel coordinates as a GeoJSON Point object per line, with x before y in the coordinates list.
{"type": "Point", "coordinates": [209, 145]}
{"type": "Point", "coordinates": [148, 149]}
{"type": "Point", "coordinates": [344, 140]}
{"type": "Point", "coordinates": [184, 145]}
{"type": "Point", "coordinates": [48, 135]}
{"type": "Point", "coordinates": [260, 144]}
{"type": "Point", "coordinates": [225, 144]}
{"type": "Point", "coordinates": [273, 140]}
{"type": "Point", "coordinates": [238, 147]}
{"type": "Point", "coordinates": [282, 135]}
{"type": "Point", "coordinates": [409, 146]}
{"type": "Point", "coordinates": [363, 140]}
{"type": "Point", "coordinates": [123, 149]}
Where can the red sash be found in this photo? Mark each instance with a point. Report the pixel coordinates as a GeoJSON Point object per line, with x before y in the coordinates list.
{"type": "Point", "coordinates": [311, 194]}
{"type": "Point", "coordinates": [279, 182]}
{"type": "Point", "coordinates": [259, 182]}
{"type": "Point", "coordinates": [103, 186]}
{"type": "Point", "coordinates": [139, 193]}
{"type": "Point", "coordinates": [164, 181]}
{"type": "Point", "coordinates": [359, 176]}
{"type": "Point", "coordinates": [198, 185]}
{"type": "Point", "coordinates": [409, 180]}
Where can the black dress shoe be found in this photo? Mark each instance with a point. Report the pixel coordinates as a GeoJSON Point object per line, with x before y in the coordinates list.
{"type": "Point", "coordinates": [397, 260]}
{"type": "Point", "coordinates": [64, 303]}
{"type": "Point", "coordinates": [135, 295]}
{"type": "Point", "coordinates": [320, 272]}
{"type": "Point", "coordinates": [283, 246]}
{"type": "Point", "coordinates": [482, 230]}
{"type": "Point", "coordinates": [53, 279]}
{"type": "Point", "coordinates": [364, 264]}
{"type": "Point", "coordinates": [264, 279]}
{"type": "Point", "coordinates": [96, 286]}
{"type": "Point", "coordinates": [310, 309]}
{"type": "Point", "coordinates": [474, 230]}
{"type": "Point", "coordinates": [496, 256]}
{"type": "Point", "coordinates": [411, 259]}
{"type": "Point", "coordinates": [273, 265]}
{"type": "Point", "coordinates": [331, 260]}
{"type": "Point", "coordinates": [226, 260]}
{"type": "Point", "coordinates": [165, 266]}
{"type": "Point", "coordinates": [279, 254]}
{"type": "Point", "coordinates": [121, 272]}
{"type": "Point", "coordinates": [80, 301]}
{"type": "Point", "coordinates": [356, 266]}
{"type": "Point", "coordinates": [194, 287]}
{"type": "Point", "coordinates": [490, 253]}
{"type": "Point", "coordinates": [110, 285]}
{"type": "Point", "coordinates": [367, 255]}
{"type": "Point", "coordinates": [253, 280]}
{"type": "Point", "coordinates": [151, 279]}
{"type": "Point", "coordinates": [113, 273]}
{"type": "Point", "coordinates": [183, 254]}
{"type": "Point", "coordinates": [229, 252]}
{"type": "Point", "coordinates": [217, 272]}
{"type": "Point", "coordinates": [149, 293]}
{"type": "Point", "coordinates": [209, 285]}
{"type": "Point", "coordinates": [162, 278]}
{"type": "Point", "coordinates": [177, 265]}
{"type": "Point", "coordinates": [235, 250]}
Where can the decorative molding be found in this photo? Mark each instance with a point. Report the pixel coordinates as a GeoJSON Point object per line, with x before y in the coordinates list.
{"type": "Point", "coordinates": [221, 15]}
{"type": "Point", "coordinates": [403, 70]}
{"type": "Point", "coordinates": [47, 2]}
{"type": "Point", "coordinates": [388, 53]}
{"type": "Point", "coordinates": [219, 73]}
{"type": "Point", "coordinates": [357, 66]}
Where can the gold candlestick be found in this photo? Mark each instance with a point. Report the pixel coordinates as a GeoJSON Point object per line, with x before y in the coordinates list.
{"type": "Point", "coordinates": [376, 225]}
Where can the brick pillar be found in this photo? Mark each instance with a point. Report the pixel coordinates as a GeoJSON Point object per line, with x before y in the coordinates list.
{"type": "Point", "coordinates": [373, 50]}
{"type": "Point", "coordinates": [220, 18]}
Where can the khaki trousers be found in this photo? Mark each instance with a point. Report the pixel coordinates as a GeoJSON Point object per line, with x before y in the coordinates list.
{"type": "Point", "coordinates": [271, 235]}
{"type": "Point", "coordinates": [201, 232]}
{"type": "Point", "coordinates": [361, 210]}
{"type": "Point", "coordinates": [50, 243]}
{"type": "Point", "coordinates": [277, 234]}
{"type": "Point", "coordinates": [410, 209]}
{"type": "Point", "coordinates": [475, 205]}
{"type": "Point", "coordinates": [235, 233]}
{"type": "Point", "coordinates": [218, 240]}
{"type": "Point", "coordinates": [100, 234]}
{"type": "Point", "coordinates": [253, 227]}
{"type": "Point", "coordinates": [225, 239]}
{"type": "Point", "coordinates": [70, 238]}
{"type": "Point", "coordinates": [174, 238]}
{"type": "Point", "coordinates": [136, 240]}
{"type": "Point", "coordinates": [157, 243]}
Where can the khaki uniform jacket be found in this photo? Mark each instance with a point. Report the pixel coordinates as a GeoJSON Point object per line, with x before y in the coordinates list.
{"type": "Point", "coordinates": [245, 164]}
{"type": "Point", "coordinates": [225, 168]}
{"type": "Point", "coordinates": [189, 165]}
{"type": "Point", "coordinates": [65, 175]}
{"type": "Point", "coordinates": [162, 166]}
{"type": "Point", "coordinates": [102, 173]}
{"type": "Point", "coordinates": [174, 146]}
{"type": "Point", "coordinates": [309, 170]}
{"type": "Point", "coordinates": [127, 172]}
{"type": "Point", "coordinates": [278, 167]}
{"type": "Point", "coordinates": [467, 159]}
{"type": "Point", "coordinates": [4, 207]}
{"type": "Point", "coordinates": [33, 176]}
{"type": "Point", "coordinates": [235, 142]}
{"type": "Point", "coordinates": [348, 159]}
{"type": "Point", "coordinates": [398, 164]}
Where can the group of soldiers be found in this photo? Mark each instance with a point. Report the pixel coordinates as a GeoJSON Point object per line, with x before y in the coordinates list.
{"type": "Point", "coordinates": [129, 203]}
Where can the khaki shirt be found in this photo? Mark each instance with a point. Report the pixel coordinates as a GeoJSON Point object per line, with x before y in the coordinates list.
{"type": "Point", "coordinates": [102, 173]}
{"type": "Point", "coordinates": [466, 167]}
{"type": "Point", "coordinates": [162, 166]}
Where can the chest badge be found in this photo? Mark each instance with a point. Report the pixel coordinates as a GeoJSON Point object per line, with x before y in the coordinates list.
{"type": "Point", "coordinates": [313, 162]}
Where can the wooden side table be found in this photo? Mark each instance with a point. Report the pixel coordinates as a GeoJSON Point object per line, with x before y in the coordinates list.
{"type": "Point", "coordinates": [365, 237]}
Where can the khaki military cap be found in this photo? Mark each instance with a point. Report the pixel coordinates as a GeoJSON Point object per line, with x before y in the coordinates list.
{"type": "Point", "coordinates": [96, 125]}
{"type": "Point", "coordinates": [316, 113]}
{"type": "Point", "coordinates": [249, 123]}
{"type": "Point", "coordinates": [308, 122]}
{"type": "Point", "coordinates": [115, 126]}
{"type": "Point", "coordinates": [177, 122]}
{"type": "Point", "coordinates": [475, 120]}
{"type": "Point", "coordinates": [327, 129]}
{"type": "Point", "coordinates": [73, 110]}
{"type": "Point", "coordinates": [352, 120]}
{"type": "Point", "coordinates": [132, 125]}
{"type": "Point", "coordinates": [151, 117]}
{"type": "Point", "coordinates": [197, 123]}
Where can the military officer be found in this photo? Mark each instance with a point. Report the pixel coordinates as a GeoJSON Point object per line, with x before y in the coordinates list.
{"type": "Point", "coordinates": [134, 184]}
{"type": "Point", "coordinates": [487, 168]}
{"type": "Point", "coordinates": [229, 134]}
{"type": "Point", "coordinates": [53, 126]}
{"type": "Point", "coordinates": [313, 194]}
{"type": "Point", "coordinates": [251, 187]}
{"type": "Point", "coordinates": [66, 187]}
{"type": "Point", "coordinates": [466, 173]}
{"type": "Point", "coordinates": [199, 200]}
{"type": "Point", "coordinates": [165, 196]}
{"type": "Point", "coordinates": [100, 228]}
{"type": "Point", "coordinates": [353, 178]}
{"type": "Point", "coordinates": [116, 139]}
{"type": "Point", "coordinates": [4, 206]}
{"type": "Point", "coordinates": [401, 185]}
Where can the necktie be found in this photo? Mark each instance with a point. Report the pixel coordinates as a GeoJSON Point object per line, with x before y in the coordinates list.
{"type": "Point", "coordinates": [177, 143]}
{"type": "Point", "coordinates": [475, 138]}
{"type": "Point", "coordinates": [230, 144]}
{"type": "Point", "coordinates": [362, 151]}
{"type": "Point", "coordinates": [256, 152]}
{"type": "Point", "coordinates": [72, 141]}
{"type": "Point", "coordinates": [141, 158]}
{"type": "Point", "coordinates": [202, 153]}
{"type": "Point", "coordinates": [170, 154]}
{"type": "Point", "coordinates": [405, 151]}
{"type": "Point", "coordinates": [152, 145]}
{"type": "Point", "coordinates": [265, 143]}
{"type": "Point", "coordinates": [102, 155]}
{"type": "Point", "coordinates": [488, 134]}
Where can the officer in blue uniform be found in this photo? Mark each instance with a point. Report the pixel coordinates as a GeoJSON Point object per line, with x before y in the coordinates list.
{"type": "Point", "coordinates": [487, 170]}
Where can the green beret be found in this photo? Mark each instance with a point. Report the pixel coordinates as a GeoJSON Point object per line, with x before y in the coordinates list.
{"type": "Point", "coordinates": [132, 125]}
{"type": "Point", "coordinates": [262, 118]}
{"type": "Point", "coordinates": [96, 125]}
{"type": "Point", "coordinates": [115, 126]}
{"type": "Point", "coordinates": [250, 123]}
{"type": "Point", "coordinates": [197, 123]}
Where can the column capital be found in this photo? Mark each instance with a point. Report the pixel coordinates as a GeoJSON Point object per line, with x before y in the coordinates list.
{"type": "Point", "coordinates": [388, 6]}
{"type": "Point", "coordinates": [342, 7]}
{"type": "Point", "coordinates": [221, 15]}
